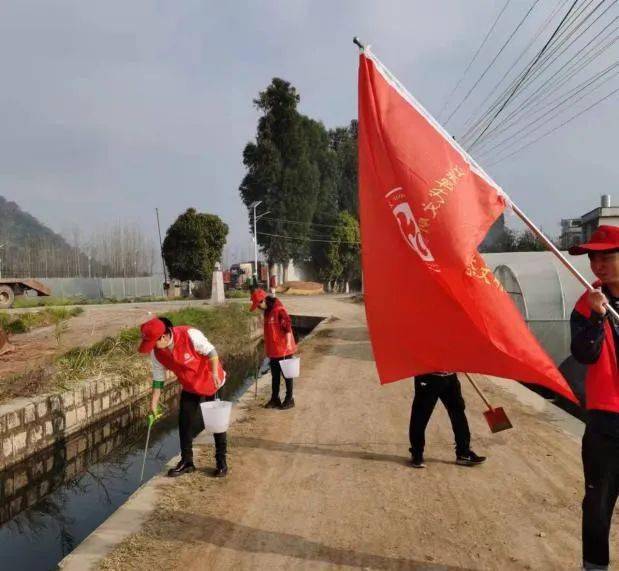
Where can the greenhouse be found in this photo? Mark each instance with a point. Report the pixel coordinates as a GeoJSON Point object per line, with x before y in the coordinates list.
{"type": "Point", "coordinates": [545, 292]}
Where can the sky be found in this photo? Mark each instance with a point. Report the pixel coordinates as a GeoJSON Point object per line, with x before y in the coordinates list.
{"type": "Point", "coordinates": [112, 109]}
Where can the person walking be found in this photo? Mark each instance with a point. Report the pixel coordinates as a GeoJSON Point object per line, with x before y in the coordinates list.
{"type": "Point", "coordinates": [428, 390]}
{"type": "Point", "coordinates": [595, 342]}
{"type": "Point", "coordinates": [193, 359]}
{"type": "Point", "coordinates": [279, 343]}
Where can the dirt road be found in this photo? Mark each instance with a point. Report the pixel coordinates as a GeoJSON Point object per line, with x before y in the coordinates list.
{"type": "Point", "coordinates": [328, 485]}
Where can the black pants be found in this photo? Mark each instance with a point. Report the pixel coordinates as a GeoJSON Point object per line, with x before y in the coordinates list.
{"type": "Point", "coordinates": [191, 423]}
{"type": "Point", "coordinates": [428, 389]}
{"type": "Point", "coordinates": [600, 458]}
{"type": "Point", "coordinates": [276, 374]}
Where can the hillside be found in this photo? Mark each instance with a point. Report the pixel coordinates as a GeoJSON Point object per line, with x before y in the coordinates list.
{"type": "Point", "coordinates": [30, 247]}
{"type": "Point", "coordinates": [18, 227]}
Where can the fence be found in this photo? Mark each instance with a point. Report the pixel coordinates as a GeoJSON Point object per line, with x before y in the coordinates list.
{"type": "Point", "coordinates": [111, 288]}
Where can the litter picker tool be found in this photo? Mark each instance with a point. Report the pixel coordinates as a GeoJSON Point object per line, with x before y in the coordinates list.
{"type": "Point", "coordinates": [495, 417]}
{"type": "Point", "coordinates": [150, 426]}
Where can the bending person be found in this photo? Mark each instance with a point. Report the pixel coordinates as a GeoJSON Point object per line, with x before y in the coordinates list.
{"type": "Point", "coordinates": [193, 359]}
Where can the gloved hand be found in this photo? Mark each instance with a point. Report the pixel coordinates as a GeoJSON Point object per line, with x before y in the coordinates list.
{"type": "Point", "coordinates": [154, 416]}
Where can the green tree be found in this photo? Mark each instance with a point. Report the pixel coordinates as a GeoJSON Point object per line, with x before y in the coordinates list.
{"type": "Point", "coordinates": [344, 253]}
{"type": "Point", "coordinates": [193, 245]}
{"type": "Point", "coordinates": [343, 141]}
{"type": "Point", "coordinates": [284, 172]}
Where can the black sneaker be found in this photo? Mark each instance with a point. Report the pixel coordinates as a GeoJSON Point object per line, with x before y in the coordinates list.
{"type": "Point", "coordinates": [417, 461]}
{"type": "Point", "coordinates": [273, 403]}
{"type": "Point", "coordinates": [469, 459]}
{"type": "Point", "coordinates": [288, 403]}
{"type": "Point", "coordinates": [222, 469]}
{"type": "Point", "coordinates": [182, 467]}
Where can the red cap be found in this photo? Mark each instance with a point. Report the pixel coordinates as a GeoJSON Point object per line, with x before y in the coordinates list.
{"type": "Point", "coordinates": [257, 297]}
{"type": "Point", "coordinates": [603, 239]}
{"type": "Point", "coordinates": [152, 331]}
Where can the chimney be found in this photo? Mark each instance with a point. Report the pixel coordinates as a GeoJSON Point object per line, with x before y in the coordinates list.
{"type": "Point", "coordinates": [606, 201]}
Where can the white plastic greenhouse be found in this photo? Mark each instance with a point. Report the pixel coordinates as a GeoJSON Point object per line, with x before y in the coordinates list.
{"type": "Point", "coordinates": [545, 292]}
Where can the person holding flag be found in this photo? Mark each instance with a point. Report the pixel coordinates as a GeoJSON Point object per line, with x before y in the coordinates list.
{"type": "Point", "coordinates": [595, 343]}
{"type": "Point", "coordinates": [193, 359]}
{"type": "Point", "coordinates": [279, 343]}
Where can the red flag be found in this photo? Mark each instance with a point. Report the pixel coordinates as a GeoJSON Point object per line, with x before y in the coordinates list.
{"type": "Point", "coordinates": [432, 304]}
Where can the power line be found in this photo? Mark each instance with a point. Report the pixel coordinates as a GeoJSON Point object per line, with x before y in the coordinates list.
{"type": "Point", "coordinates": [598, 102]}
{"type": "Point", "coordinates": [581, 88]}
{"type": "Point", "coordinates": [509, 39]}
{"type": "Point", "coordinates": [468, 123]}
{"type": "Point", "coordinates": [483, 43]}
{"type": "Point", "coordinates": [298, 222]}
{"type": "Point", "coordinates": [537, 58]}
{"type": "Point", "coordinates": [546, 61]}
{"type": "Point", "coordinates": [307, 239]}
{"type": "Point", "coordinates": [549, 86]}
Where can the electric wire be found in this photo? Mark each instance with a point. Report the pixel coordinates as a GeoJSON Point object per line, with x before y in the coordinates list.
{"type": "Point", "coordinates": [556, 128]}
{"type": "Point", "coordinates": [515, 90]}
{"type": "Point", "coordinates": [468, 67]}
{"type": "Point", "coordinates": [545, 62]}
{"type": "Point", "coordinates": [509, 39]}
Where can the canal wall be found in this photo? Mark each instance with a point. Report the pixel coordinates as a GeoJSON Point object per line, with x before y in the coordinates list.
{"type": "Point", "coordinates": [24, 484]}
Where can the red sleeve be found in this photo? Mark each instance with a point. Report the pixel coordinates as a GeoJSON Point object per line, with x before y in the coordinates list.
{"type": "Point", "coordinates": [284, 321]}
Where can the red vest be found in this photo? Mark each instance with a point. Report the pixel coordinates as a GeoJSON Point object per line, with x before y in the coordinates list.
{"type": "Point", "coordinates": [192, 369]}
{"type": "Point", "coordinates": [602, 381]}
{"type": "Point", "coordinates": [277, 342]}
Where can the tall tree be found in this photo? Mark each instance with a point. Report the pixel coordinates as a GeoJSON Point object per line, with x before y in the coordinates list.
{"type": "Point", "coordinates": [344, 143]}
{"type": "Point", "coordinates": [193, 245]}
{"type": "Point", "coordinates": [282, 172]}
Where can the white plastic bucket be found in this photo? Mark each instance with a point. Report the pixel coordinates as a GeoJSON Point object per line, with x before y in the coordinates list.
{"type": "Point", "coordinates": [291, 368]}
{"type": "Point", "coordinates": [216, 415]}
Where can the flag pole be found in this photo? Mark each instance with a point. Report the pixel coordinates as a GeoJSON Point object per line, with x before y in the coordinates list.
{"type": "Point", "coordinates": [548, 243]}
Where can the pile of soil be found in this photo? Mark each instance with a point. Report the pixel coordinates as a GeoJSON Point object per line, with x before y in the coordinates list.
{"type": "Point", "coordinates": [301, 288]}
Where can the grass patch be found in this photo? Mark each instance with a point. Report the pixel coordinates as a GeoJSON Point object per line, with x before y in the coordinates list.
{"type": "Point", "coordinates": [237, 294]}
{"type": "Point", "coordinates": [26, 302]}
{"type": "Point", "coordinates": [25, 322]}
{"type": "Point", "coordinates": [225, 326]}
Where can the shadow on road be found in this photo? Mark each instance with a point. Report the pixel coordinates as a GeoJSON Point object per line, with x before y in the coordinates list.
{"type": "Point", "coordinates": [325, 450]}
{"type": "Point", "coordinates": [242, 538]}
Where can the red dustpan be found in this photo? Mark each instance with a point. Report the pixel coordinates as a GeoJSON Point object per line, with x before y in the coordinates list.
{"type": "Point", "coordinates": [495, 417]}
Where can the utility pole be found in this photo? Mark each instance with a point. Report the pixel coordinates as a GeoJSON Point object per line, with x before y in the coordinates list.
{"type": "Point", "coordinates": [1, 246]}
{"type": "Point", "coordinates": [165, 276]}
{"type": "Point", "coordinates": [253, 206]}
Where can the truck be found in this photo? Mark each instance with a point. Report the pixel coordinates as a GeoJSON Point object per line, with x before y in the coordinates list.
{"type": "Point", "coordinates": [10, 288]}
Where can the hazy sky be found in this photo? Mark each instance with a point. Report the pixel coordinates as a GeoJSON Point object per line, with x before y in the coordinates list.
{"type": "Point", "coordinates": [110, 109]}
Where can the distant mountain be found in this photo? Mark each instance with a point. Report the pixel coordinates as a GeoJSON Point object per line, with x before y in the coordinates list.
{"type": "Point", "coordinates": [31, 248]}
{"type": "Point", "coordinates": [18, 227]}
